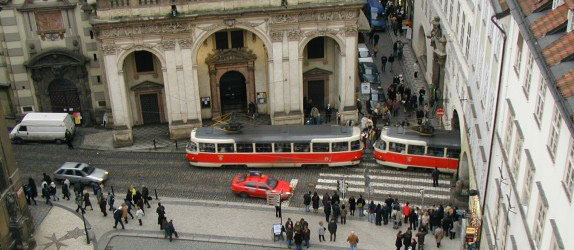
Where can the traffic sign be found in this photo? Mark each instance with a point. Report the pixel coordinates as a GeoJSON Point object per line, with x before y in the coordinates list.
{"type": "Point", "coordinates": [273, 199]}
{"type": "Point", "coordinates": [440, 112]}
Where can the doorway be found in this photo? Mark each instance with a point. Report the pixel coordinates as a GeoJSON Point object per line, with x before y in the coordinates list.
{"type": "Point", "coordinates": [232, 92]}
{"type": "Point", "coordinates": [316, 93]}
{"type": "Point", "coordinates": [64, 96]}
{"type": "Point", "coordinates": [149, 104]}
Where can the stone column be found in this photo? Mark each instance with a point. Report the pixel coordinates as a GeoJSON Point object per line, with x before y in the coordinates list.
{"type": "Point", "coordinates": [251, 83]}
{"type": "Point", "coordinates": [189, 91]}
{"type": "Point", "coordinates": [277, 111]}
{"type": "Point", "coordinates": [348, 68]}
{"type": "Point", "coordinates": [295, 78]}
{"type": "Point", "coordinates": [118, 97]}
{"type": "Point", "coordinates": [215, 101]}
{"type": "Point", "coordinates": [170, 82]}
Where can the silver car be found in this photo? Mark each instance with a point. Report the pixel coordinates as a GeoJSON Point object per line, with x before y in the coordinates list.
{"type": "Point", "coordinates": [80, 172]}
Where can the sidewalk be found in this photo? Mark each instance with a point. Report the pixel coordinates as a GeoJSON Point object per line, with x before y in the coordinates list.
{"type": "Point", "coordinates": [204, 225]}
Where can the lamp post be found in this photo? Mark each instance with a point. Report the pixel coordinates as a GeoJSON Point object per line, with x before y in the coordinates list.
{"type": "Point", "coordinates": [85, 226]}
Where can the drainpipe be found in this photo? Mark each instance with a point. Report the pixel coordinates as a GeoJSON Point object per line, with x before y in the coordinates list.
{"type": "Point", "coordinates": [489, 166]}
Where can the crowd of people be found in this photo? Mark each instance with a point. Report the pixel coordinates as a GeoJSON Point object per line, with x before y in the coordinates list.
{"type": "Point", "coordinates": [439, 220]}
{"type": "Point", "coordinates": [134, 200]}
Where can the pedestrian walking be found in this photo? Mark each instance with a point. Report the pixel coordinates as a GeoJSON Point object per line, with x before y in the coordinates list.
{"type": "Point", "coordinates": [343, 214]}
{"type": "Point", "coordinates": [139, 215]}
{"type": "Point", "coordinates": [307, 236]}
{"type": "Point", "coordinates": [124, 208]}
{"type": "Point", "coordinates": [307, 201]}
{"type": "Point", "coordinates": [111, 200]}
{"type": "Point", "coordinates": [378, 215]}
{"type": "Point", "coordinates": [66, 189]}
{"type": "Point", "coordinates": [353, 240]}
{"type": "Point", "coordinates": [46, 195]}
{"type": "Point", "coordinates": [29, 195]}
{"type": "Point", "coordinates": [315, 200]}
{"type": "Point", "coordinates": [332, 227]}
{"type": "Point", "coordinates": [328, 113]}
{"type": "Point", "coordinates": [421, 237]}
{"type": "Point", "coordinates": [361, 206]}
{"type": "Point", "coordinates": [321, 230]}
{"type": "Point", "coordinates": [289, 231]}
{"type": "Point", "coordinates": [407, 238]}
{"type": "Point", "coordinates": [327, 210]}
{"type": "Point", "coordinates": [414, 219]}
{"type": "Point", "coordinates": [352, 205]}
{"type": "Point", "coordinates": [384, 60]}
{"type": "Point", "coordinates": [160, 215]}
{"type": "Point", "coordinates": [391, 60]}
{"type": "Point", "coordinates": [278, 209]}
{"type": "Point", "coordinates": [129, 209]}
{"type": "Point", "coordinates": [413, 244]}
{"type": "Point", "coordinates": [140, 204]}
{"type": "Point", "coordinates": [359, 107]}
{"type": "Point", "coordinates": [406, 212]}
{"type": "Point", "coordinates": [336, 211]}
{"type": "Point", "coordinates": [399, 240]}
{"type": "Point", "coordinates": [53, 191]}
{"type": "Point", "coordinates": [102, 203]}
{"type": "Point", "coordinates": [435, 175]}
{"type": "Point", "coordinates": [87, 201]}
{"type": "Point", "coordinates": [298, 238]}
{"type": "Point", "coordinates": [371, 211]}
{"type": "Point", "coordinates": [69, 139]}
{"type": "Point", "coordinates": [118, 218]}
{"type": "Point", "coordinates": [145, 196]}
{"type": "Point", "coordinates": [79, 203]}
{"type": "Point", "coordinates": [170, 231]}
{"type": "Point", "coordinates": [438, 235]}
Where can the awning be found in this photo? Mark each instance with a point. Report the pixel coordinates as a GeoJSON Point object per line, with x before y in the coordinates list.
{"type": "Point", "coordinates": [364, 25]}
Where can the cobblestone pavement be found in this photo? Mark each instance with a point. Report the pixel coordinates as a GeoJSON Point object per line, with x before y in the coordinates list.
{"type": "Point", "coordinates": [137, 243]}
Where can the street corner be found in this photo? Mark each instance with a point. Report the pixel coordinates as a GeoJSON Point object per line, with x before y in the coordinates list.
{"type": "Point", "coordinates": [62, 229]}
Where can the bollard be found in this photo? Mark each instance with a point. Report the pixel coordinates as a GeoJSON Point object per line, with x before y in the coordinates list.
{"type": "Point", "coordinates": [155, 191]}
{"type": "Point", "coordinates": [154, 146]}
{"type": "Point", "coordinates": [175, 144]}
{"type": "Point", "coordinates": [113, 190]}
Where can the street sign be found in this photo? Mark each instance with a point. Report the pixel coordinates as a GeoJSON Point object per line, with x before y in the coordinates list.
{"type": "Point", "coordinates": [273, 199]}
{"type": "Point", "coordinates": [440, 112]}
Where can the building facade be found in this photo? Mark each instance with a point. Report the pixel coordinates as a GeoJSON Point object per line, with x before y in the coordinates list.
{"type": "Point", "coordinates": [50, 61]}
{"type": "Point", "coordinates": [508, 72]}
{"type": "Point", "coordinates": [180, 63]}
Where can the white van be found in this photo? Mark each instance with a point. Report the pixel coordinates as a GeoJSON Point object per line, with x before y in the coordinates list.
{"type": "Point", "coordinates": [43, 127]}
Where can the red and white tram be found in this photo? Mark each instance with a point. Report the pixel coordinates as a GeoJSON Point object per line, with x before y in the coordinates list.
{"type": "Point", "coordinates": [404, 149]}
{"type": "Point", "coordinates": [275, 146]}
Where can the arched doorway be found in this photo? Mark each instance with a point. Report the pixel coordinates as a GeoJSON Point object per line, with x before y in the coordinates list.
{"type": "Point", "coordinates": [233, 92]}
{"type": "Point", "coordinates": [455, 124]}
{"type": "Point", "coordinates": [64, 96]}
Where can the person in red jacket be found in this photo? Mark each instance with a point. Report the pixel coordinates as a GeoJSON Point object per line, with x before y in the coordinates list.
{"type": "Point", "coordinates": [407, 212]}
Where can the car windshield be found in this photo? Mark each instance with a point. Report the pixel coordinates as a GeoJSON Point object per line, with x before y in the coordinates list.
{"type": "Point", "coordinates": [272, 183]}
{"type": "Point", "coordinates": [88, 170]}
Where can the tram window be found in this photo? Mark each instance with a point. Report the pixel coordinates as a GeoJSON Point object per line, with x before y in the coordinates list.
{"type": "Point", "coordinates": [192, 147]}
{"type": "Point", "coordinates": [263, 147]}
{"type": "Point", "coordinates": [356, 145]}
{"type": "Point", "coordinates": [397, 147]}
{"type": "Point", "coordinates": [435, 151]}
{"type": "Point", "coordinates": [225, 148]}
{"type": "Point", "coordinates": [452, 152]}
{"type": "Point", "coordinates": [301, 147]}
{"type": "Point", "coordinates": [207, 147]}
{"type": "Point", "coordinates": [245, 147]}
{"type": "Point", "coordinates": [320, 147]}
{"type": "Point", "coordinates": [382, 145]}
{"type": "Point", "coordinates": [282, 147]}
{"type": "Point", "coordinates": [416, 150]}
{"type": "Point", "coordinates": [340, 146]}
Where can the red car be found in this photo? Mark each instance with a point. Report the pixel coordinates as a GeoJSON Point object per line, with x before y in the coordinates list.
{"type": "Point", "coordinates": [257, 185]}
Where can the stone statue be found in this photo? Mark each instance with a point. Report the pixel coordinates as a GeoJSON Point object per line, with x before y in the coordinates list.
{"type": "Point", "coordinates": [12, 205]}
{"type": "Point", "coordinates": [436, 32]}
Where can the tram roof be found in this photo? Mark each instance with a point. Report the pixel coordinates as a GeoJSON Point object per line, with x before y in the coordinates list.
{"type": "Point", "coordinates": [274, 133]}
{"type": "Point", "coordinates": [441, 138]}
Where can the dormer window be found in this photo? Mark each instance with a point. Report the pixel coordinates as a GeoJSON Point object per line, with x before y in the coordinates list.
{"type": "Point", "coordinates": [570, 21]}
{"type": "Point", "coordinates": [557, 3]}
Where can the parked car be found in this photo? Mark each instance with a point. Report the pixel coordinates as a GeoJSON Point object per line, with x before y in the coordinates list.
{"type": "Point", "coordinates": [368, 73]}
{"type": "Point", "coordinates": [43, 127]}
{"type": "Point", "coordinates": [80, 172]}
{"type": "Point", "coordinates": [364, 54]}
{"type": "Point", "coordinates": [255, 184]}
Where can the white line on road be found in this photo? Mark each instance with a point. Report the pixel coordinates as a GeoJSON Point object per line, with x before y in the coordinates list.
{"type": "Point", "coordinates": [387, 185]}
{"type": "Point", "coordinates": [385, 192]}
{"type": "Point", "coordinates": [379, 177]}
{"type": "Point", "coordinates": [293, 184]}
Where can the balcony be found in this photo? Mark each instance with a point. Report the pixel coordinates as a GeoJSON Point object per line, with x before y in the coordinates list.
{"type": "Point", "coordinates": [122, 9]}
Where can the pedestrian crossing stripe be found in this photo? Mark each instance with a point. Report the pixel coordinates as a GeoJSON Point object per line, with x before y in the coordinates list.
{"type": "Point", "coordinates": [386, 185]}
{"type": "Point", "coordinates": [384, 178]}
{"type": "Point", "coordinates": [416, 195]}
{"type": "Point", "coordinates": [425, 176]}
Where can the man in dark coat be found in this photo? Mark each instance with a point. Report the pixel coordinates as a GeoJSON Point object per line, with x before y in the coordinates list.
{"type": "Point", "coordinates": [307, 201]}
{"type": "Point", "coordinates": [145, 196]}
{"type": "Point", "coordinates": [336, 211]}
{"type": "Point", "coordinates": [118, 218]}
{"type": "Point", "coordinates": [69, 140]}
{"type": "Point", "coordinates": [332, 227]}
{"type": "Point", "coordinates": [29, 195]}
{"type": "Point", "coordinates": [160, 215]}
{"type": "Point", "coordinates": [170, 230]}
{"type": "Point", "coordinates": [384, 62]}
{"type": "Point", "coordinates": [327, 209]}
{"type": "Point", "coordinates": [435, 175]}
{"type": "Point", "coordinates": [386, 212]}
{"type": "Point", "coordinates": [66, 191]}
{"type": "Point", "coordinates": [359, 107]}
{"type": "Point", "coordinates": [315, 200]}
{"type": "Point", "coordinates": [335, 198]}
{"type": "Point", "coordinates": [102, 203]}
{"type": "Point", "coordinates": [47, 178]}
{"type": "Point", "coordinates": [352, 205]}
{"type": "Point", "coordinates": [407, 236]}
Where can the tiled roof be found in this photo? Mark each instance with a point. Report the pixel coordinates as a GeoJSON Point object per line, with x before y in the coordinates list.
{"type": "Point", "coordinates": [551, 21]}
{"type": "Point", "coordinates": [560, 49]}
{"type": "Point", "coordinates": [529, 6]}
{"type": "Point", "coordinates": [566, 84]}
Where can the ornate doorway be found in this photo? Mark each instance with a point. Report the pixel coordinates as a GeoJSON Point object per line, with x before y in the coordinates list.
{"type": "Point", "coordinates": [150, 101]}
{"type": "Point", "coordinates": [150, 108]}
{"type": "Point", "coordinates": [64, 96]}
{"type": "Point", "coordinates": [233, 92]}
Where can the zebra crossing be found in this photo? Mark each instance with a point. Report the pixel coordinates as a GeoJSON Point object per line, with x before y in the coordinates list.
{"type": "Point", "coordinates": [407, 186]}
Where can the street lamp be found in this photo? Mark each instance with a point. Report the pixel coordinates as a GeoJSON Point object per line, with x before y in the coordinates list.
{"type": "Point", "coordinates": [85, 226]}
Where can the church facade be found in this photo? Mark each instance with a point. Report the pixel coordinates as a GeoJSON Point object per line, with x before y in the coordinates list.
{"type": "Point", "coordinates": [185, 61]}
